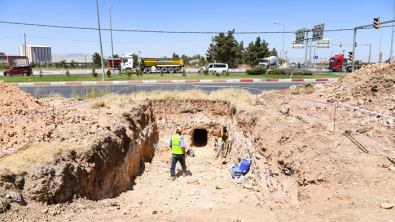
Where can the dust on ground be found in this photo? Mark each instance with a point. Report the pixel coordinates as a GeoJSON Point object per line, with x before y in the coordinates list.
{"type": "Point", "coordinates": [308, 168]}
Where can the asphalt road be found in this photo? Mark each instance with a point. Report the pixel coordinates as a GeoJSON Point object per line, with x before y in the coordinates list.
{"type": "Point", "coordinates": [191, 71]}
{"type": "Point", "coordinates": [66, 91]}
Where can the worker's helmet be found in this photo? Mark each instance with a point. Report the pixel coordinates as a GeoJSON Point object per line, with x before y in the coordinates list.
{"type": "Point", "coordinates": [225, 126]}
{"type": "Point", "coordinates": [179, 129]}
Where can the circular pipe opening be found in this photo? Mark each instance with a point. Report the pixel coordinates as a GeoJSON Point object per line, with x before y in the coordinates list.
{"type": "Point", "coordinates": [199, 137]}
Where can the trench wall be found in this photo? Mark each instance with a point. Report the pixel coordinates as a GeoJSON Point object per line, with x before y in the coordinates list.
{"type": "Point", "coordinates": [104, 169]}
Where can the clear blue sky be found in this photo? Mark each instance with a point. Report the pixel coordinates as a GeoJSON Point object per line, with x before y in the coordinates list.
{"type": "Point", "coordinates": [177, 15]}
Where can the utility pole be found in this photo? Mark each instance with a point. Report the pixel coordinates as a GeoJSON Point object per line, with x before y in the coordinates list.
{"type": "Point", "coordinates": [370, 51]}
{"type": "Point", "coordinates": [343, 62]}
{"type": "Point", "coordinates": [306, 46]}
{"type": "Point", "coordinates": [283, 54]}
{"type": "Point", "coordinates": [112, 48]}
{"type": "Point", "coordinates": [101, 46]}
{"type": "Point", "coordinates": [381, 36]}
{"type": "Point", "coordinates": [27, 58]}
{"type": "Point", "coordinates": [310, 53]}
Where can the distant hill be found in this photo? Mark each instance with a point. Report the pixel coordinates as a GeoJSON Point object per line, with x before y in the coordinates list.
{"type": "Point", "coordinates": [77, 57]}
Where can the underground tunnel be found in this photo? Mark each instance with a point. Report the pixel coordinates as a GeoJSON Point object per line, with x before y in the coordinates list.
{"type": "Point", "coordinates": [199, 137]}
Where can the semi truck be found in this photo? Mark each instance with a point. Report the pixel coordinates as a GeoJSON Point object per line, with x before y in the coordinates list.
{"type": "Point", "coordinates": [269, 62]}
{"type": "Point", "coordinates": [148, 65]}
{"type": "Point", "coordinates": [338, 62]}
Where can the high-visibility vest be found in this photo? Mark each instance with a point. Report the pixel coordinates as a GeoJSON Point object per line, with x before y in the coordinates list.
{"type": "Point", "coordinates": [222, 135]}
{"type": "Point", "coordinates": [176, 145]}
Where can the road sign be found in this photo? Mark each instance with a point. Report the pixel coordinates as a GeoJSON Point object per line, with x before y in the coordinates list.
{"type": "Point", "coordinates": [316, 57]}
{"type": "Point", "coordinates": [318, 32]}
{"type": "Point", "coordinates": [297, 45]}
{"type": "Point", "coordinates": [324, 43]}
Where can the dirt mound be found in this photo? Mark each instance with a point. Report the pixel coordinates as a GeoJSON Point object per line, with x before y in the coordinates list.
{"type": "Point", "coordinates": [15, 102]}
{"type": "Point", "coordinates": [307, 88]}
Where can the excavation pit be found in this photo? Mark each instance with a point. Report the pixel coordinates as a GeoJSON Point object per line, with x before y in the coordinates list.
{"type": "Point", "coordinates": [199, 137]}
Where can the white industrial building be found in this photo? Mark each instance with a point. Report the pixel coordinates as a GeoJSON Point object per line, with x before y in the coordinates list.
{"type": "Point", "coordinates": [36, 53]}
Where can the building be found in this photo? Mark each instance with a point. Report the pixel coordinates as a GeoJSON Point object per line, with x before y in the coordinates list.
{"type": "Point", "coordinates": [36, 53]}
{"type": "Point", "coordinates": [13, 60]}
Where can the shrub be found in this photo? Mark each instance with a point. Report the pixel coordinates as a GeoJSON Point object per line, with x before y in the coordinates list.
{"type": "Point", "coordinates": [256, 71]}
{"type": "Point", "coordinates": [139, 73]}
{"type": "Point", "coordinates": [108, 73]}
{"type": "Point", "coordinates": [289, 71]}
{"type": "Point", "coordinates": [227, 72]}
{"type": "Point", "coordinates": [183, 72]}
{"type": "Point", "coordinates": [93, 70]}
{"type": "Point", "coordinates": [94, 74]}
{"type": "Point", "coordinates": [161, 72]}
{"type": "Point", "coordinates": [205, 72]}
{"type": "Point", "coordinates": [67, 73]}
{"type": "Point", "coordinates": [273, 72]}
{"type": "Point", "coordinates": [41, 73]}
{"type": "Point", "coordinates": [128, 73]}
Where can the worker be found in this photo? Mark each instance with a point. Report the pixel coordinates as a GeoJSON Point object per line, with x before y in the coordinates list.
{"type": "Point", "coordinates": [222, 139]}
{"type": "Point", "coordinates": [177, 153]}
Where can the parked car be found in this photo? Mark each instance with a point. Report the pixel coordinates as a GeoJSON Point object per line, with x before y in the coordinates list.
{"type": "Point", "coordinates": [215, 67]}
{"type": "Point", "coordinates": [19, 70]}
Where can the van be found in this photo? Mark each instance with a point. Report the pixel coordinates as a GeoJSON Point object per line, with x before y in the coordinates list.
{"type": "Point", "coordinates": [215, 68]}
{"type": "Point", "coordinates": [19, 70]}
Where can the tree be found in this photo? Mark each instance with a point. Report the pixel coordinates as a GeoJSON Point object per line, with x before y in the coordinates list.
{"type": "Point", "coordinates": [185, 58]}
{"type": "Point", "coordinates": [255, 51]}
{"type": "Point", "coordinates": [96, 58]}
{"type": "Point", "coordinates": [175, 56]}
{"type": "Point", "coordinates": [202, 61]}
{"type": "Point", "coordinates": [224, 49]}
{"type": "Point", "coordinates": [73, 64]}
{"type": "Point", "coordinates": [274, 52]}
{"type": "Point", "coordinates": [135, 60]}
{"type": "Point", "coordinates": [116, 56]}
{"type": "Point", "coordinates": [240, 53]}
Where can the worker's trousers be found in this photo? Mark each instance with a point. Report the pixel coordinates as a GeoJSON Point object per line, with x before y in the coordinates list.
{"type": "Point", "coordinates": [180, 158]}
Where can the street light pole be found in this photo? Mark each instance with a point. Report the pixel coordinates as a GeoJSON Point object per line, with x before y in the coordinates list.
{"type": "Point", "coordinates": [282, 63]}
{"type": "Point", "coordinates": [85, 59]}
{"type": "Point", "coordinates": [101, 46]}
{"type": "Point", "coordinates": [112, 48]}
{"type": "Point", "coordinates": [139, 60]}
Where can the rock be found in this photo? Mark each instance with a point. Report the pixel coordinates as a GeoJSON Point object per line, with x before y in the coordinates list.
{"type": "Point", "coordinates": [219, 187]}
{"type": "Point", "coordinates": [192, 180]}
{"type": "Point", "coordinates": [154, 212]}
{"type": "Point", "coordinates": [387, 205]}
{"type": "Point", "coordinates": [361, 102]}
{"type": "Point", "coordinates": [44, 211]}
{"type": "Point", "coordinates": [392, 169]}
{"type": "Point", "coordinates": [284, 109]}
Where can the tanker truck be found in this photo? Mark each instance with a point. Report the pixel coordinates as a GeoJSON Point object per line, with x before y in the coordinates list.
{"type": "Point", "coordinates": [269, 62]}
{"type": "Point", "coordinates": [148, 65]}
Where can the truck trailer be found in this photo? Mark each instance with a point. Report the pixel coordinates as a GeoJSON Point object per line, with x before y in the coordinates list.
{"type": "Point", "coordinates": [148, 65]}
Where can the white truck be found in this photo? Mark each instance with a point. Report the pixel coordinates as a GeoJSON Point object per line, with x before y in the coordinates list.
{"type": "Point", "coordinates": [127, 62]}
{"type": "Point", "coordinates": [269, 62]}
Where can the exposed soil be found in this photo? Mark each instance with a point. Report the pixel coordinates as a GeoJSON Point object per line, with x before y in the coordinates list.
{"type": "Point", "coordinates": [115, 167]}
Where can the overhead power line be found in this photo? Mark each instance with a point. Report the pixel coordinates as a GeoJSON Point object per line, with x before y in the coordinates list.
{"type": "Point", "coordinates": [82, 40]}
{"type": "Point", "coordinates": [171, 32]}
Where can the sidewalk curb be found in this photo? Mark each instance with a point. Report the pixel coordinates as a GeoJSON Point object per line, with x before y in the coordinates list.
{"type": "Point", "coordinates": [172, 82]}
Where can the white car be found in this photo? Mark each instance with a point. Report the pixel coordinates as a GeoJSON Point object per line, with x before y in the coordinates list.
{"type": "Point", "coordinates": [215, 68]}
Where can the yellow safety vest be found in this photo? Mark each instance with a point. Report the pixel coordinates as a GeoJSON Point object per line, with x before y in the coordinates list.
{"type": "Point", "coordinates": [222, 134]}
{"type": "Point", "coordinates": [176, 145]}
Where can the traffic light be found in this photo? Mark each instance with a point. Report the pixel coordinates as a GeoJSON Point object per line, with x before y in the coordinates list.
{"type": "Point", "coordinates": [350, 56]}
{"type": "Point", "coordinates": [376, 23]}
{"type": "Point", "coordinates": [355, 44]}
{"type": "Point", "coordinates": [340, 45]}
